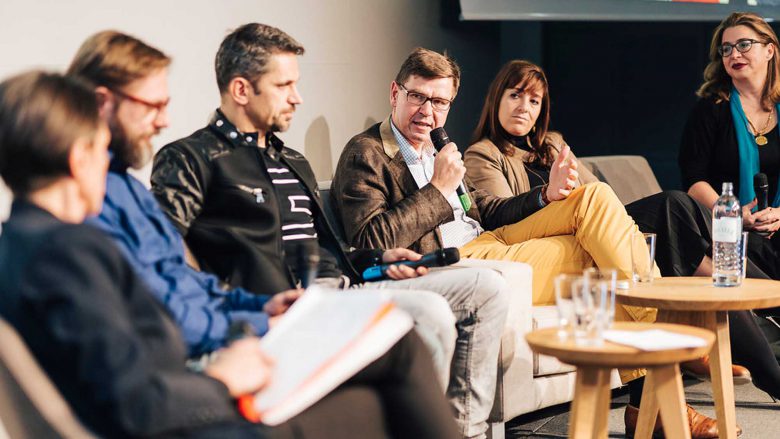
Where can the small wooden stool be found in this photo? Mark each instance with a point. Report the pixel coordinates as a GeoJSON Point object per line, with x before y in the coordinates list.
{"type": "Point", "coordinates": [663, 384]}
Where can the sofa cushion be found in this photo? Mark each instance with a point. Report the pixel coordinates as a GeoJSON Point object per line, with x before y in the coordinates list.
{"type": "Point", "coordinates": [546, 317]}
{"type": "Point", "coordinates": [629, 175]}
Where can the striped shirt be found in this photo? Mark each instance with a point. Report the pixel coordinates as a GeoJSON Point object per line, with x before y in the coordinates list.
{"type": "Point", "coordinates": [463, 228]}
{"type": "Point", "coordinates": [298, 232]}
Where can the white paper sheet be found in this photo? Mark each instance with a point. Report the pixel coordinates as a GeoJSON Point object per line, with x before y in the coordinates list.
{"type": "Point", "coordinates": [323, 340]}
{"type": "Point", "coordinates": [654, 339]}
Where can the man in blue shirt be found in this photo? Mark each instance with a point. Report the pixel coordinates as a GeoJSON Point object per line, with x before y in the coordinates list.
{"type": "Point", "coordinates": [136, 102]}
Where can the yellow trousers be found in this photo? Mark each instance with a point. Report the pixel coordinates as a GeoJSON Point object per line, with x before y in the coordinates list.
{"type": "Point", "coordinates": [589, 227]}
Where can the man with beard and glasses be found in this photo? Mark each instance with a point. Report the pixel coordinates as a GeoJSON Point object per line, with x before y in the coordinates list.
{"type": "Point", "coordinates": [248, 205]}
{"type": "Point", "coordinates": [131, 84]}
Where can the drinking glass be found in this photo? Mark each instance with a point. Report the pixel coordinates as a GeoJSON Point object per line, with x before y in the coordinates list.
{"type": "Point", "coordinates": [642, 256]}
{"type": "Point", "coordinates": [593, 277]}
{"type": "Point", "coordinates": [743, 253]}
{"type": "Point", "coordinates": [564, 302]}
{"type": "Point", "coordinates": [589, 312]}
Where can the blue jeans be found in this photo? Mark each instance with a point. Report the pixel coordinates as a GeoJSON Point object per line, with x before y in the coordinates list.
{"type": "Point", "coordinates": [478, 298]}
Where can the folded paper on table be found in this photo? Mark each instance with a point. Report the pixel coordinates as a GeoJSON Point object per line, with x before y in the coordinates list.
{"type": "Point", "coordinates": [654, 339]}
{"type": "Point", "coordinates": [310, 361]}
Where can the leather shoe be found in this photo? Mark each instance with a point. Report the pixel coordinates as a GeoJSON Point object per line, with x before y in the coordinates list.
{"type": "Point", "coordinates": [702, 427]}
{"type": "Point", "coordinates": [700, 369]}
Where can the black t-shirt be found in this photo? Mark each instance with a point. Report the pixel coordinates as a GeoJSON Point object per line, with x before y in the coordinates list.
{"type": "Point", "coordinates": [538, 174]}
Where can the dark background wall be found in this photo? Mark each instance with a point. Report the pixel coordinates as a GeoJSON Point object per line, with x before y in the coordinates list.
{"type": "Point", "coordinates": [616, 87]}
{"type": "Point", "coordinates": [626, 88]}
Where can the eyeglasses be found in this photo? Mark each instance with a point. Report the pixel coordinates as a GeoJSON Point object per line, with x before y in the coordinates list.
{"type": "Point", "coordinates": [725, 50]}
{"type": "Point", "coordinates": [419, 99]}
{"type": "Point", "coordinates": [158, 107]}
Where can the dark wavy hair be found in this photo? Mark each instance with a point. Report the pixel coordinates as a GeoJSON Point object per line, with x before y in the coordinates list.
{"type": "Point", "coordinates": [245, 52]}
{"type": "Point", "coordinates": [717, 83]}
{"type": "Point", "coordinates": [524, 75]}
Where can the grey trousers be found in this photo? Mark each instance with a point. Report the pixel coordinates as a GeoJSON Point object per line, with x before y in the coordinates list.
{"type": "Point", "coordinates": [478, 298]}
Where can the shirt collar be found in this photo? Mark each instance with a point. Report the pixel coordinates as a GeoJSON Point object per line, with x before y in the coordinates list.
{"type": "Point", "coordinates": [223, 126]}
{"type": "Point", "coordinates": [116, 165]}
{"type": "Point", "coordinates": [407, 150]}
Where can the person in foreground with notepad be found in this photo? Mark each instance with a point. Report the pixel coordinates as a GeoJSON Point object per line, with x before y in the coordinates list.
{"type": "Point", "coordinates": [247, 206]}
{"type": "Point", "coordinates": [109, 346]}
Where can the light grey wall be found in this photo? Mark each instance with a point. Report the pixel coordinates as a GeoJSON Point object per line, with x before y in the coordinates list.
{"type": "Point", "coordinates": [353, 50]}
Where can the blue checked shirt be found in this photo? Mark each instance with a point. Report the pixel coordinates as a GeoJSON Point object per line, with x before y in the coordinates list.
{"type": "Point", "coordinates": [463, 228]}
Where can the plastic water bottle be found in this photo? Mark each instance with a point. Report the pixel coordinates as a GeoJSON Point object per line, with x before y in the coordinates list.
{"type": "Point", "coordinates": [726, 233]}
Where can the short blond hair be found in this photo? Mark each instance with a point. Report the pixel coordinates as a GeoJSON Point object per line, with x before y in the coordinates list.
{"type": "Point", "coordinates": [114, 59]}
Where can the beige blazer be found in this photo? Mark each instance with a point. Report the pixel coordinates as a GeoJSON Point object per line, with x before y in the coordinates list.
{"type": "Point", "coordinates": [505, 176]}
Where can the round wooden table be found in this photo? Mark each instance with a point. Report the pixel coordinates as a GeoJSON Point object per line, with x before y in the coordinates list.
{"type": "Point", "coordinates": [590, 407]}
{"type": "Point", "coordinates": [695, 301]}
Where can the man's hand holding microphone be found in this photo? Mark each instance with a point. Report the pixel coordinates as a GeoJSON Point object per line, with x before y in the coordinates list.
{"type": "Point", "coordinates": [448, 169]}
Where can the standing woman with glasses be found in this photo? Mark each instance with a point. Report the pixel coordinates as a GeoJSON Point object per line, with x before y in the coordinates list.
{"type": "Point", "coordinates": [732, 132]}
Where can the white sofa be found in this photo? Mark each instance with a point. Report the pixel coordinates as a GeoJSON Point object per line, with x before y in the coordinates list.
{"type": "Point", "coordinates": [528, 381]}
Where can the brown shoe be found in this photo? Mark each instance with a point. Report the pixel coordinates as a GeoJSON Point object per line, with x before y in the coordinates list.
{"type": "Point", "coordinates": [700, 369]}
{"type": "Point", "coordinates": [702, 427]}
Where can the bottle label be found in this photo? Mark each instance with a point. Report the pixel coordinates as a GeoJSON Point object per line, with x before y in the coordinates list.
{"type": "Point", "coordinates": [727, 229]}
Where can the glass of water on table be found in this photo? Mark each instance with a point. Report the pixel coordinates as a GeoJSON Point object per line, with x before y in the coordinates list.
{"type": "Point", "coordinates": [603, 282]}
{"type": "Point", "coordinates": [564, 302]}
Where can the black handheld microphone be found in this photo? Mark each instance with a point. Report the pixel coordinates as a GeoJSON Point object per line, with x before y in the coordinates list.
{"type": "Point", "coordinates": [308, 263]}
{"type": "Point", "coordinates": [438, 258]}
{"type": "Point", "coordinates": [440, 139]}
{"type": "Point", "coordinates": [761, 186]}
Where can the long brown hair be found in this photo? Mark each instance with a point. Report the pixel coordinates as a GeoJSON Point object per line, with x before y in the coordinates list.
{"type": "Point", "coordinates": [525, 76]}
{"type": "Point", "coordinates": [717, 82]}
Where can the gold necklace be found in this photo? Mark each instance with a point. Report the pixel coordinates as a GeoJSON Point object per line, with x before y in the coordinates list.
{"type": "Point", "coordinates": [759, 135]}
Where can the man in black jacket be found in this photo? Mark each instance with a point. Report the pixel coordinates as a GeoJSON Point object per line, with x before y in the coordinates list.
{"type": "Point", "coordinates": [248, 206]}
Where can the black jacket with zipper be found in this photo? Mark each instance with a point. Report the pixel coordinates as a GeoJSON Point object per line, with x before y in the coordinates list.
{"type": "Point", "coordinates": [216, 190]}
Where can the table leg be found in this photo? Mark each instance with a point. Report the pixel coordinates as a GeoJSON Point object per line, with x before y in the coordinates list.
{"type": "Point", "coordinates": [720, 370]}
{"type": "Point", "coordinates": [648, 409]}
{"type": "Point", "coordinates": [590, 408]}
{"type": "Point", "coordinates": [720, 363]}
{"type": "Point", "coordinates": [601, 425]}
{"type": "Point", "coordinates": [671, 398]}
